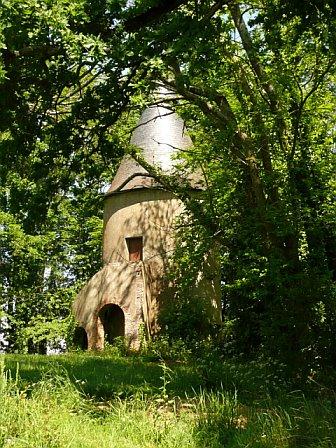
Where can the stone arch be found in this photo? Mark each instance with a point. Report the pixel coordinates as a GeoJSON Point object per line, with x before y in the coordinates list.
{"type": "Point", "coordinates": [80, 338]}
{"type": "Point", "coordinates": [112, 318]}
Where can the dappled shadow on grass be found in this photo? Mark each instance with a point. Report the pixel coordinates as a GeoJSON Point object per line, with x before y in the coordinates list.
{"type": "Point", "coordinates": [107, 377]}
{"type": "Point", "coordinates": [209, 419]}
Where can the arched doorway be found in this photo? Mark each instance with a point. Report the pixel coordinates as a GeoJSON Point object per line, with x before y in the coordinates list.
{"type": "Point", "coordinates": [80, 339]}
{"type": "Point", "coordinates": [113, 319]}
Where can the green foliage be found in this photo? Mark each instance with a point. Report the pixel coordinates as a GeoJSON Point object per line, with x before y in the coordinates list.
{"type": "Point", "coordinates": [118, 348]}
{"type": "Point", "coordinates": [187, 316]}
{"type": "Point", "coordinates": [166, 347]}
{"type": "Point", "coordinates": [50, 410]}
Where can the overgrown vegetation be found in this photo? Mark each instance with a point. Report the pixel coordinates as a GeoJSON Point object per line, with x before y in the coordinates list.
{"type": "Point", "coordinates": [255, 83]}
{"type": "Point", "coordinates": [85, 400]}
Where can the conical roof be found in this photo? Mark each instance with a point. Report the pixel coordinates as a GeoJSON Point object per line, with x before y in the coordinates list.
{"type": "Point", "coordinates": [161, 134]}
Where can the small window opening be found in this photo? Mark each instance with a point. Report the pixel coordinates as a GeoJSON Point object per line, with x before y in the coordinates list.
{"type": "Point", "coordinates": [134, 246]}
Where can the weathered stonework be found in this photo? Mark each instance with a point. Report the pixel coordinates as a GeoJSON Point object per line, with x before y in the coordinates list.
{"type": "Point", "coordinates": [130, 293]}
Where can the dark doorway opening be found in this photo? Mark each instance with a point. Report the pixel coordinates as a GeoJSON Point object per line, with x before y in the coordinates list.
{"type": "Point", "coordinates": [113, 319]}
{"type": "Point", "coordinates": [80, 339]}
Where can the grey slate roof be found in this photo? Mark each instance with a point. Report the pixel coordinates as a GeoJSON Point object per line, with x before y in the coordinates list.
{"type": "Point", "coordinates": [160, 134]}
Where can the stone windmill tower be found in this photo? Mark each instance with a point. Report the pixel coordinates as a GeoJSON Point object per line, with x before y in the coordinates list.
{"type": "Point", "coordinates": [139, 224]}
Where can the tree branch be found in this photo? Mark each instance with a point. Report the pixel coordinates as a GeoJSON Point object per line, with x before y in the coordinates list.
{"type": "Point", "coordinates": [44, 52]}
{"type": "Point", "coordinates": [152, 14]}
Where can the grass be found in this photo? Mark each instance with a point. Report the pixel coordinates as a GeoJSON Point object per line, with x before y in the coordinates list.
{"type": "Point", "coordinates": [84, 400]}
{"type": "Point", "coordinates": [107, 376]}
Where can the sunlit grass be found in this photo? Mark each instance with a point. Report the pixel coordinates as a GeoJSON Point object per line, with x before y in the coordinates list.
{"type": "Point", "coordinates": [57, 402]}
{"type": "Point", "coordinates": [106, 376]}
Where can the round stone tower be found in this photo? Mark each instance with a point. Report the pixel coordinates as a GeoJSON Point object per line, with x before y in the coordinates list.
{"type": "Point", "coordinates": [125, 297]}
